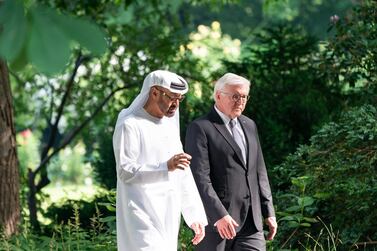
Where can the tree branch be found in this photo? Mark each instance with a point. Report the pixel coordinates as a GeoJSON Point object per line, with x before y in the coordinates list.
{"type": "Point", "coordinates": [72, 134]}
{"type": "Point", "coordinates": [54, 127]}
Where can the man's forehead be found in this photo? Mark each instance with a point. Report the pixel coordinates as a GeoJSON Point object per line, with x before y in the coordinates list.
{"type": "Point", "coordinates": [235, 86]}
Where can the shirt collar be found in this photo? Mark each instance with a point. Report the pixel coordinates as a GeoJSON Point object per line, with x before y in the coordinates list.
{"type": "Point", "coordinates": [224, 117]}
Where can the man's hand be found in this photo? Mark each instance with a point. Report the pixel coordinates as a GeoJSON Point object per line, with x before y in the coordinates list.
{"type": "Point", "coordinates": [273, 226]}
{"type": "Point", "coordinates": [226, 227]}
{"type": "Point", "coordinates": [179, 161]}
{"type": "Point", "coordinates": [198, 229]}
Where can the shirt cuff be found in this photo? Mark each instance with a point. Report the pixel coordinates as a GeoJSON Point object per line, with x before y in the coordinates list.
{"type": "Point", "coordinates": [163, 166]}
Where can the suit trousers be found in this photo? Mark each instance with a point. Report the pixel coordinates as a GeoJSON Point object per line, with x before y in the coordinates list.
{"type": "Point", "coordinates": [248, 238]}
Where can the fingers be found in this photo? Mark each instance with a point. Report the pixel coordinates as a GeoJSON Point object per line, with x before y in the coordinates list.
{"type": "Point", "coordinates": [185, 155]}
{"type": "Point", "coordinates": [228, 232]}
{"type": "Point", "coordinates": [272, 225]}
{"type": "Point", "coordinates": [234, 223]}
{"type": "Point", "coordinates": [232, 228]}
{"type": "Point", "coordinates": [179, 161]}
{"type": "Point", "coordinates": [271, 236]}
{"type": "Point", "coordinates": [227, 227]}
{"type": "Point", "coordinates": [272, 233]}
{"type": "Point", "coordinates": [199, 233]}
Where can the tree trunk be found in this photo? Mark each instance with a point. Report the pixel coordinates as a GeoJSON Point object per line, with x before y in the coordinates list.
{"type": "Point", "coordinates": [9, 173]}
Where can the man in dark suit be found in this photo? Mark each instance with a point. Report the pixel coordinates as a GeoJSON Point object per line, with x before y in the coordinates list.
{"type": "Point", "coordinates": [229, 170]}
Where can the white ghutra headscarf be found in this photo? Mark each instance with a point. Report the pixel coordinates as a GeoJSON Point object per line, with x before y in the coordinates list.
{"type": "Point", "coordinates": [166, 79]}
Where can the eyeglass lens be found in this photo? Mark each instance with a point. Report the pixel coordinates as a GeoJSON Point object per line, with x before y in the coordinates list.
{"type": "Point", "coordinates": [172, 98]}
{"type": "Point", "coordinates": [236, 97]}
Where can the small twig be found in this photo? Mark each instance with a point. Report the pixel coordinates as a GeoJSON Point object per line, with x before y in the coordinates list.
{"type": "Point", "coordinates": [289, 237]}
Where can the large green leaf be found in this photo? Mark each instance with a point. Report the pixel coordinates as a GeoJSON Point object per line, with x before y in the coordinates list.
{"type": "Point", "coordinates": [86, 33]}
{"type": "Point", "coordinates": [108, 219]}
{"type": "Point", "coordinates": [20, 61]}
{"type": "Point", "coordinates": [13, 33]}
{"type": "Point", "coordinates": [288, 218]}
{"type": "Point", "coordinates": [311, 220]}
{"type": "Point", "coordinates": [293, 224]}
{"type": "Point", "coordinates": [293, 209]}
{"type": "Point", "coordinates": [48, 47]}
{"type": "Point", "coordinates": [305, 201]}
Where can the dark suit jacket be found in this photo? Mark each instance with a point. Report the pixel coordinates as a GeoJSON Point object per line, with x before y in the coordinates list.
{"type": "Point", "coordinates": [226, 184]}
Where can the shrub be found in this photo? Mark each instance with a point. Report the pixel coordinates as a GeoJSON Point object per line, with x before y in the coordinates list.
{"type": "Point", "coordinates": [63, 237]}
{"type": "Point", "coordinates": [289, 97]}
{"type": "Point", "coordinates": [63, 212]}
{"type": "Point", "coordinates": [342, 163]}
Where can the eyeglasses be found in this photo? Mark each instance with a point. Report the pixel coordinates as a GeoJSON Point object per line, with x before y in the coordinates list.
{"type": "Point", "coordinates": [236, 97]}
{"type": "Point", "coordinates": [172, 99]}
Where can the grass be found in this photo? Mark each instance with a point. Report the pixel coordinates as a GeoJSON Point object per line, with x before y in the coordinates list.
{"type": "Point", "coordinates": [63, 238]}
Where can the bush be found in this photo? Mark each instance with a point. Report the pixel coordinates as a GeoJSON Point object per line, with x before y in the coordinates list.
{"type": "Point", "coordinates": [63, 237]}
{"type": "Point", "coordinates": [342, 163]}
{"type": "Point", "coordinates": [104, 161]}
{"type": "Point", "coordinates": [63, 212]}
{"type": "Point", "coordinates": [289, 97]}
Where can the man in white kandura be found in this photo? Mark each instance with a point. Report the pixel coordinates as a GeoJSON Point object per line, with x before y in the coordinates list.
{"type": "Point", "coordinates": [154, 181]}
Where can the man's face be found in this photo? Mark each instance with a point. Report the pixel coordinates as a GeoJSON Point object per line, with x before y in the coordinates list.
{"type": "Point", "coordinates": [168, 102]}
{"type": "Point", "coordinates": [232, 99]}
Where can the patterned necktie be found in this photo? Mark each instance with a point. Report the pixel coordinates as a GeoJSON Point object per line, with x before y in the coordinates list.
{"type": "Point", "coordinates": [238, 138]}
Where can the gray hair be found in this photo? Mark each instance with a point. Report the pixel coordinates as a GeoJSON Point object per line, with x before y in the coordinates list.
{"type": "Point", "coordinates": [230, 79]}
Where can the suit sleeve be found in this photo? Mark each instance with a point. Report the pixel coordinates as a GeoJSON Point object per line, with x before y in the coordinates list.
{"type": "Point", "coordinates": [197, 146]}
{"type": "Point", "coordinates": [264, 185]}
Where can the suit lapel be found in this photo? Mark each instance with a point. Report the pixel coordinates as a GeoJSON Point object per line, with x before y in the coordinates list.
{"type": "Point", "coordinates": [218, 123]}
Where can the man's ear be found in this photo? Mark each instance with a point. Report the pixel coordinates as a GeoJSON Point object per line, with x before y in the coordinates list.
{"type": "Point", "coordinates": [217, 95]}
{"type": "Point", "coordinates": [153, 92]}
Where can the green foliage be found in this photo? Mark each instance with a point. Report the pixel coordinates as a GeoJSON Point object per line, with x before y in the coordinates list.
{"type": "Point", "coordinates": [104, 162]}
{"type": "Point", "coordinates": [185, 237]}
{"type": "Point", "coordinates": [70, 167]}
{"type": "Point", "coordinates": [63, 237]}
{"type": "Point", "coordinates": [211, 46]}
{"type": "Point", "coordinates": [350, 56]}
{"type": "Point", "coordinates": [27, 151]}
{"type": "Point", "coordinates": [342, 159]}
{"type": "Point", "coordinates": [200, 60]}
{"type": "Point", "coordinates": [243, 19]}
{"type": "Point", "coordinates": [118, 75]}
{"type": "Point", "coordinates": [14, 31]}
{"type": "Point", "coordinates": [63, 212]}
{"type": "Point", "coordinates": [82, 219]}
{"type": "Point", "coordinates": [294, 215]}
{"type": "Point", "coordinates": [289, 98]}
{"type": "Point", "coordinates": [296, 211]}
{"type": "Point", "coordinates": [44, 37]}
{"type": "Point", "coordinates": [327, 239]}
{"type": "Point", "coordinates": [111, 207]}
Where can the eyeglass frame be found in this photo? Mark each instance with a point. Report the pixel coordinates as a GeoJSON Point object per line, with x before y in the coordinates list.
{"type": "Point", "coordinates": [172, 99]}
{"type": "Point", "coordinates": [236, 97]}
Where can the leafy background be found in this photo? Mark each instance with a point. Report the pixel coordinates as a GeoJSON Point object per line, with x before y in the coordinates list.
{"type": "Point", "coordinates": [75, 64]}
